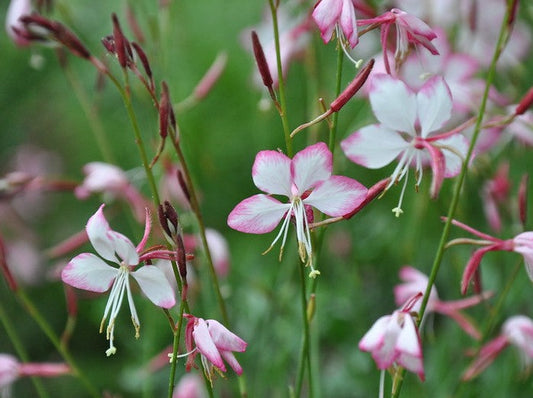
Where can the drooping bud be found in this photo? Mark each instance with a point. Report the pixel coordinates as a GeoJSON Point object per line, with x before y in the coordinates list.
{"type": "Point", "coordinates": [120, 42]}
{"type": "Point", "coordinates": [373, 192]}
{"type": "Point", "coordinates": [168, 218]}
{"type": "Point", "coordinates": [524, 103]}
{"type": "Point", "coordinates": [144, 59]}
{"type": "Point", "coordinates": [261, 61]}
{"type": "Point", "coordinates": [353, 87]}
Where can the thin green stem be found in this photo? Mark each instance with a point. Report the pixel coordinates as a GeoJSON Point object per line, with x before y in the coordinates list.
{"type": "Point", "coordinates": [54, 339]}
{"type": "Point", "coordinates": [281, 81]}
{"type": "Point", "coordinates": [19, 348]}
{"type": "Point", "coordinates": [175, 348]}
{"type": "Point", "coordinates": [304, 352]}
{"type": "Point", "coordinates": [398, 379]}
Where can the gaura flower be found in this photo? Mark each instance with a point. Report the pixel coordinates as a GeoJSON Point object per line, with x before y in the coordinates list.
{"type": "Point", "coordinates": [307, 181]}
{"type": "Point", "coordinates": [90, 272]}
{"type": "Point", "coordinates": [521, 243]}
{"type": "Point", "coordinates": [407, 123]}
{"type": "Point", "coordinates": [330, 15]}
{"type": "Point", "coordinates": [409, 29]}
{"type": "Point", "coordinates": [214, 342]}
{"type": "Point", "coordinates": [394, 339]}
{"type": "Point", "coordinates": [518, 331]}
{"type": "Point", "coordinates": [415, 282]}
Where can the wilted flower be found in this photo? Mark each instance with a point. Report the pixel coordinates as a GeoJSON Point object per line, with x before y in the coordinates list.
{"type": "Point", "coordinates": [89, 272]}
{"type": "Point", "coordinates": [336, 15]}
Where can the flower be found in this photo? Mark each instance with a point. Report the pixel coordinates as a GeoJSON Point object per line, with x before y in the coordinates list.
{"type": "Point", "coordinates": [14, 27]}
{"type": "Point", "coordinates": [416, 282]}
{"type": "Point", "coordinates": [110, 180]}
{"type": "Point", "coordinates": [495, 195]}
{"type": "Point", "coordinates": [330, 15]}
{"type": "Point", "coordinates": [517, 330]}
{"type": "Point", "coordinates": [190, 386]}
{"type": "Point", "coordinates": [214, 342]}
{"type": "Point", "coordinates": [407, 123]}
{"type": "Point", "coordinates": [307, 181]}
{"type": "Point", "coordinates": [394, 339]}
{"type": "Point", "coordinates": [11, 369]}
{"type": "Point", "coordinates": [521, 243]}
{"type": "Point", "coordinates": [409, 29]}
{"type": "Point", "coordinates": [89, 272]}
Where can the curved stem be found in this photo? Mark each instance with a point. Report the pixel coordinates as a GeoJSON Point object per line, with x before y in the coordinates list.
{"type": "Point", "coordinates": [458, 186]}
{"type": "Point", "coordinates": [281, 82]}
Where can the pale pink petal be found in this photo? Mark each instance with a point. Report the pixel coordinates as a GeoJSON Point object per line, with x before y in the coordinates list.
{"type": "Point", "coordinates": [408, 341]}
{"type": "Point", "coordinates": [325, 14]}
{"type": "Point", "coordinates": [218, 246]}
{"type": "Point", "coordinates": [98, 232]}
{"type": "Point", "coordinates": [337, 196]}
{"type": "Point", "coordinates": [89, 272]}
{"type": "Point", "coordinates": [223, 338]}
{"type": "Point", "coordinates": [257, 214]}
{"type": "Point", "coordinates": [16, 10]}
{"type": "Point", "coordinates": [348, 22]}
{"type": "Point", "coordinates": [155, 285]}
{"type": "Point", "coordinates": [232, 361]}
{"type": "Point", "coordinates": [311, 165]}
{"type": "Point", "coordinates": [373, 146]}
{"type": "Point", "coordinates": [9, 370]}
{"type": "Point", "coordinates": [387, 353]}
{"type": "Point", "coordinates": [523, 244]}
{"type": "Point", "coordinates": [413, 24]}
{"type": "Point", "coordinates": [373, 339]}
{"type": "Point", "coordinates": [205, 344]}
{"type": "Point", "coordinates": [124, 248]}
{"type": "Point", "coordinates": [434, 105]}
{"type": "Point", "coordinates": [486, 356]}
{"type": "Point", "coordinates": [460, 67]}
{"type": "Point", "coordinates": [393, 103]}
{"type": "Point", "coordinates": [453, 158]}
{"type": "Point", "coordinates": [271, 173]}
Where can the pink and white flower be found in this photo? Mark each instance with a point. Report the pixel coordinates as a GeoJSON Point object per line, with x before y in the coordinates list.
{"type": "Point", "coordinates": [518, 331]}
{"type": "Point", "coordinates": [214, 342]}
{"type": "Point", "coordinates": [307, 181]}
{"type": "Point", "coordinates": [409, 30]}
{"type": "Point", "coordinates": [336, 15]}
{"type": "Point", "coordinates": [90, 272]}
{"type": "Point", "coordinates": [415, 282]}
{"type": "Point", "coordinates": [17, 9]}
{"type": "Point", "coordinates": [407, 125]}
{"type": "Point", "coordinates": [521, 243]}
{"type": "Point", "coordinates": [394, 339]}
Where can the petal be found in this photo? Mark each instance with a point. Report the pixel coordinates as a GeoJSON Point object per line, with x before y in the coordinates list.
{"type": "Point", "coordinates": [271, 173]}
{"type": "Point", "coordinates": [311, 165]}
{"type": "Point", "coordinates": [155, 285]}
{"type": "Point", "coordinates": [325, 14]}
{"type": "Point", "coordinates": [223, 338]}
{"type": "Point", "coordinates": [337, 196]}
{"type": "Point", "coordinates": [438, 165]}
{"type": "Point", "coordinates": [408, 340]}
{"type": "Point", "coordinates": [453, 158]}
{"type": "Point", "coordinates": [373, 339]}
{"type": "Point", "coordinates": [434, 105]}
{"type": "Point", "coordinates": [373, 146]}
{"type": "Point", "coordinates": [97, 231]}
{"type": "Point", "coordinates": [205, 344]}
{"type": "Point", "coordinates": [88, 272]}
{"type": "Point", "coordinates": [348, 22]}
{"type": "Point", "coordinates": [393, 103]}
{"type": "Point", "coordinates": [523, 244]}
{"type": "Point", "coordinates": [124, 248]}
{"type": "Point", "coordinates": [232, 361]}
{"type": "Point", "coordinates": [257, 214]}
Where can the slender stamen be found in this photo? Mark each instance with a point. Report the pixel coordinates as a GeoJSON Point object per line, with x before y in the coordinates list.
{"type": "Point", "coordinates": [342, 43]}
{"type": "Point", "coordinates": [282, 231]}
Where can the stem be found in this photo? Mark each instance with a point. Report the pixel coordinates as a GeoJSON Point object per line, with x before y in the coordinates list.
{"type": "Point", "coordinates": [281, 82]}
{"type": "Point", "coordinates": [304, 352]}
{"type": "Point", "coordinates": [175, 347]}
{"type": "Point", "coordinates": [19, 348]}
{"type": "Point", "coordinates": [398, 378]}
{"type": "Point", "coordinates": [48, 331]}
{"type": "Point", "coordinates": [335, 116]}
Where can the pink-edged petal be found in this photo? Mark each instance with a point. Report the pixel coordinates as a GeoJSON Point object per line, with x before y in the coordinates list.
{"type": "Point", "coordinates": [124, 248]}
{"type": "Point", "coordinates": [155, 286]}
{"type": "Point", "coordinates": [311, 165]}
{"type": "Point", "coordinates": [486, 356]}
{"type": "Point", "coordinates": [89, 272]}
{"type": "Point", "coordinates": [408, 346]}
{"type": "Point", "coordinates": [98, 232]}
{"type": "Point", "coordinates": [434, 105]}
{"type": "Point", "coordinates": [326, 14]}
{"type": "Point", "coordinates": [387, 353]}
{"type": "Point", "coordinates": [257, 214]}
{"type": "Point", "coordinates": [348, 22]}
{"type": "Point", "coordinates": [455, 157]}
{"type": "Point", "coordinates": [438, 166]}
{"type": "Point", "coordinates": [205, 344]}
{"type": "Point", "coordinates": [271, 173]}
{"type": "Point", "coordinates": [393, 103]}
{"type": "Point", "coordinates": [373, 339]}
{"type": "Point", "coordinates": [337, 196]}
{"type": "Point", "coordinates": [523, 244]}
{"type": "Point", "coordinates": [413, 24]}
{"type": "Point", "coordinates": [373, 146]}
{"type": "Point", "coordinates": [223, 338]}
{"type": "Point", "coordinates": [232, 361]}
{"type": "Point", "coordinates": [473, 264]}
